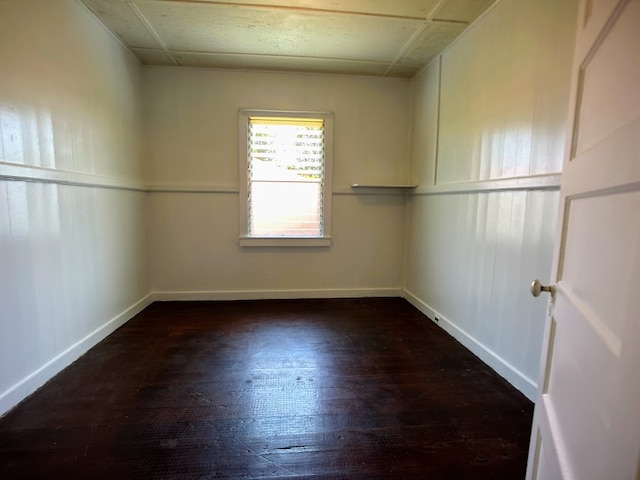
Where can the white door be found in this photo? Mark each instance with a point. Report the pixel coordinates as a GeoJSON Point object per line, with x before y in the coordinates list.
{"type": "Point", "coordinates": [587, 417]}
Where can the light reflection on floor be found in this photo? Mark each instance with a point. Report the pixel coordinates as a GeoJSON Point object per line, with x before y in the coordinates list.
{"type": "Point", "coordinates": [284, 382]}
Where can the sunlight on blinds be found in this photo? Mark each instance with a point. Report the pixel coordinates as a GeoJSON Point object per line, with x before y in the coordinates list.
{"type": "Point", "coordinates": [286, 174]}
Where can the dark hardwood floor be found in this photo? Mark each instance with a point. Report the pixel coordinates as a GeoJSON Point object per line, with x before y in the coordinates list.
{"type": "Point", "coordinates": [324, 389]}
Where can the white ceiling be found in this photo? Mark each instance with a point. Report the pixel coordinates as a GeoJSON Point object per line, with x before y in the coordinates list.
{"type": "Point", "coordinates": [366, 37]}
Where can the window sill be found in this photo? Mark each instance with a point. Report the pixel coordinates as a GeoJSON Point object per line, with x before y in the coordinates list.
{"type": "Point", "coordinates": [284, 241]}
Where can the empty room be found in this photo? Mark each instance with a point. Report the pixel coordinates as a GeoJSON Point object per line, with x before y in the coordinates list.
{"type": "Point", "coordinates": [311, 239]}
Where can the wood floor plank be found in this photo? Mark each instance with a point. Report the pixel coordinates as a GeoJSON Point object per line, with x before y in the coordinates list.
{"type": "Point", "coordinates": [320, 389]}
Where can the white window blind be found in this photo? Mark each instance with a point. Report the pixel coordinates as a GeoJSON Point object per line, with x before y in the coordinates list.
{"type": "Point", "coordinates": [286, 174]}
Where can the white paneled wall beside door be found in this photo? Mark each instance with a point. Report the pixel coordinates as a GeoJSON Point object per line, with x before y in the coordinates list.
{"type": "Point", "coordinates": [489, 118]}
{"type": "Point", "coordinates": [467, 263]}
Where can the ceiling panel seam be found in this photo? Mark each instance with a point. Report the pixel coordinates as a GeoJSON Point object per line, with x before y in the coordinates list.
{"type": "Point", "coordinates": [152, 31]}
{"type": "Point", "coordinates": [414, 37]}
{"type": "Point", "coordinates": [269, 55]}
{"type": "Point", "coordinates": [296, 9]}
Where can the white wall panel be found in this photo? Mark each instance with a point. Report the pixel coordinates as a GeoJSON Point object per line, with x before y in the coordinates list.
{"type": "Point", "coordinates": [503, 103]}
{"type": "Point", "coordinates": [72, 258]}
{"type": "Point", "coordinates": [505, 94]}
{"type": "Point", "coordinates": [191, 140]}
{"type": "Point", "coordinates": [195, 248]}
{"type": "Point", "coordinates": [190, 122]}
{"type": "Point", "coordinates": [425, 104]}
{"type": "Point", "coordinates": [473, 260]}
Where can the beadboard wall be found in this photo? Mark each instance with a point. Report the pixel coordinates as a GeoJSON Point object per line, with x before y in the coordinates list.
{"type": "Point", "coordinates": [487, 146]}
{"type": "Point", "coordinates": [72, 213]}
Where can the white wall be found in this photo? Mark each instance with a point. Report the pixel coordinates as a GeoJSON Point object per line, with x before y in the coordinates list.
{"type": "Point", "coordinates": [488, 139]}
{"type": "Point", "coordinates": [190, 121]}
{"type": "Point", "coordinates": [72, 224]}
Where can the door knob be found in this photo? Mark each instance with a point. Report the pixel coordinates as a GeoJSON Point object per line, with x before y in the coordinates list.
{"type": "Point", "coordinates": [537, 288]}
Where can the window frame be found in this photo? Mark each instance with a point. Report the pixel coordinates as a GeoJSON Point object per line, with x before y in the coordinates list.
{"type": "Point", "coordinates": [246, 240]}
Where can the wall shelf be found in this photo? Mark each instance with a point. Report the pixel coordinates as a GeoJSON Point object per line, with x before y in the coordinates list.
{"type": "Point", "coordinates": [361, 186]}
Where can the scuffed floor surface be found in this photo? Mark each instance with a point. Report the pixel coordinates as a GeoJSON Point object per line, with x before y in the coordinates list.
{"type": "Point", "coordinates": [312, 389]}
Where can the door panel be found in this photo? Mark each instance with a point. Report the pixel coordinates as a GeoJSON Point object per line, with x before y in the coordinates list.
{"type": "Point", "coordinates": [547, 448]}
{"type": "Point", "coordinates": [587, 418]}
{"type": "Point", "coordinates": [596, 227]}
{"type": "Point", "coordinates": [578, 388]}
{"type": "Point", "coordinates": [604, 103]}
{"type": "Point", "coordinates": [546, 467]}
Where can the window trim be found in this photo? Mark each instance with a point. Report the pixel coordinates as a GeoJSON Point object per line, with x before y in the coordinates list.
{"type": "Point", "coordinates": [246, 240]}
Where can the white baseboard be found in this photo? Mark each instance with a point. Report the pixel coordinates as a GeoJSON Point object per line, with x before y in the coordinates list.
{"type": "Point", "coordinates": [277, 294]}
{"type": "Point", "coordinates": [515, 377]}
{"type": "Point", "coordinates": [25, 387]}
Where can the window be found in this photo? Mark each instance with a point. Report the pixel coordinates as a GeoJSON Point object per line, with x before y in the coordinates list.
{"type": "Point", "coordinates": [285, 178]}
